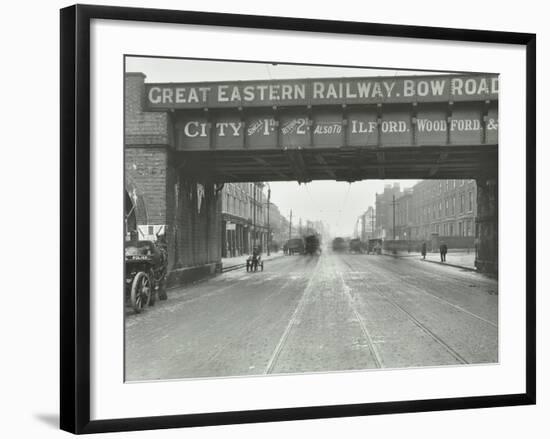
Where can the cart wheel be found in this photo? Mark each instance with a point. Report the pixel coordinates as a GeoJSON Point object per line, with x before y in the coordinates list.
{"type": "Point", "coordinates": [162, 290]}
{"type": "Point", "coordinates": [141, 292]}
{"type": "Point", "coordinates": [154, 289]}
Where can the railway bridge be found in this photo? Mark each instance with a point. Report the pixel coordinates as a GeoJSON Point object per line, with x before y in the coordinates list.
{"type": "Point", "coordinates": [184, 140]}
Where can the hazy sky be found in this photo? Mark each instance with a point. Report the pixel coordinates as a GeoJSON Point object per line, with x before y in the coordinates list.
{"type": "Point", "coordinates": [336, 203]}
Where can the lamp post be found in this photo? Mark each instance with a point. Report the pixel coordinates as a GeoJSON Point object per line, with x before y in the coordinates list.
{"type": "Point", "coordinates": [254, 216]}
{"type": "Point", "coordinates": [268, 225]}
{"type": "Point", "coordinates": [393, 203]}
{"type": "Point", "coordinates": [260, 204]}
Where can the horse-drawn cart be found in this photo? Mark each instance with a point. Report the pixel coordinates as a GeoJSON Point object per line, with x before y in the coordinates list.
{"type": "Point", "coordinates": [254, 261]}
{"type": "Point", "coordinates": [145, 273]}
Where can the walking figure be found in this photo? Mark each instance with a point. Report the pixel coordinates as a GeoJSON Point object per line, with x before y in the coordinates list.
{"type": "Point", "coordinates": [443, 252]}
{"type": "Point", "coordinates": [423, 250]}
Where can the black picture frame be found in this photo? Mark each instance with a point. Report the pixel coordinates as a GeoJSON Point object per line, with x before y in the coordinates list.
{"type": "Point", "coordinates": [75, 217]}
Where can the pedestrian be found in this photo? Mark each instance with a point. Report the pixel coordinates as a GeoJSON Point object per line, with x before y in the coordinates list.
{"type": "Point", "coordinates": [443, 251]}
{"type": "Point", "coordinates": [423, 250]}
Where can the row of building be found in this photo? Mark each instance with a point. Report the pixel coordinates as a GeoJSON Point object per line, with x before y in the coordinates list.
{"type": "Point", "coordinates": [445, 209]}
{"type": "Point", "coordinates": [250, 219]}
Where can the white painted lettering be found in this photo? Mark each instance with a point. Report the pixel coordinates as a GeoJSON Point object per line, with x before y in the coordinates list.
{"type": "Point", "coordinates": [349, 93]}
{"type": "Point", "coordinates": [222, 93]}
{"type": "Point", "coordinates": [221, 126]}
{"type": "Point", "coordinates": [274, 93]}
{"type": "Point", "coordinates": [193, 96]}
{"type": "Point", "coordinates": [363, 88]}
{"type": "Point", "coordinates": [470, 86]}
{"type": "Point", "coordinates": [235, 94]}
{"type": "Point", "coordinates": [167, 96]}
{"type": "Point", "coordinates": [389, 88]}
{"type": "Point", "coordinates": [155, 95]}
{"type": "Point", "coordinates": [408, 87]}
{"type": "Point", "coordinates": [456, 86]}
{"type": "Point", "coordinates": [236, 127]}
{"type": "Point", "coordinates": [191, 129]}
{"type": "Point", "coordinates": [180, 95]}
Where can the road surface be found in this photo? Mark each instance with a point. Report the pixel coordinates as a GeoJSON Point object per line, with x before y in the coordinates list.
{"type": "Point", "coordinates": [309, 314]}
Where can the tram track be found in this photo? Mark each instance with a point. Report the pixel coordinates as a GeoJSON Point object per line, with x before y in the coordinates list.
{"type": "Point", "coordinates": [448, 277]}
{"type": "Point", "coordinates": [417, 287]}
{"type": "Point", "coordinates": [297, 312]}
{"type": "Point", "coordinates": [416, 322]}
{"type": "Point", "coordinates": [372, 348]}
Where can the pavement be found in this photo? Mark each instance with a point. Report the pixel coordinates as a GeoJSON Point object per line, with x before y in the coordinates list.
{"type": "Point", "coordinates": [458, 259]}
{"type": "Point", "coordinates": [240, 261]}
{"type": "Point", "coordinates": [317, 314]}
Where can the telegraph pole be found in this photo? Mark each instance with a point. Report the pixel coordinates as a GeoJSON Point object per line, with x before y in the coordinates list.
{"type": "Point", "coordinates": [268, 228]}
{"type": "Point", "coordinates": [254, 219]}
{"type": "Point", "coordinates": [372, 222]}
{"type": "Point", "coordinates": [290, 226]}
{"type": "Point", "coordinates": [393, 203]}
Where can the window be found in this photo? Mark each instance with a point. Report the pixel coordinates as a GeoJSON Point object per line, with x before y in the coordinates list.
{"type": "Point", "coordinates": [461, 203]}
{"type": "Point", "coordinates": [451, 229]}
{"type": "Point", "coordinates": [453, 206]}
{"type": "Point", "coordinates": [440, 209]}
{"type": "Point", "coordinates": [460, 229]}
{"type": "Point", "coordinates": [445, 229]}
{"type": "Point", "coordinates": [447, 207]}
{"type": "Point", "coordinates": [470, 201]}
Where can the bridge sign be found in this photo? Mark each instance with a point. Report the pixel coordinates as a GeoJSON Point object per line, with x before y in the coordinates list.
{"type": "Point", "coordinates": [350, 91]}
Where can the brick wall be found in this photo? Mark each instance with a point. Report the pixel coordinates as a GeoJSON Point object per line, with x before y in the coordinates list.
{"type": "Point", "coordinates": [164, 195]}
{"type": "Point", "coordinates": [146, 167]}
{"type": "Point", "coordinates": [143, 127]}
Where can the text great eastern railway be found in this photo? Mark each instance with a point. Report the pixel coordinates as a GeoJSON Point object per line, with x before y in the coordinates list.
{"type": "Point", "coordinates": [323, 91]}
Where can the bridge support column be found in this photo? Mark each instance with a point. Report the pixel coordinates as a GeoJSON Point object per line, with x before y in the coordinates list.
{"type": "Point", "coordinates": [487, 226]}
{"type": "Point", "coordinates": [188, 213]}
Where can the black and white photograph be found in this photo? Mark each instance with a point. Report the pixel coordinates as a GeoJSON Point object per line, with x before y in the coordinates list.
{"type": "Point", "coordinates": [299, 219]}
{"type": "Point", "coordinates": [275, 219]}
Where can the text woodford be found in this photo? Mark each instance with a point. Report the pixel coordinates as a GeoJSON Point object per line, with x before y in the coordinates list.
{"type": "Point", "coordinates": [321, 91]}
{"type": "Point", "coordinates": [301, 126]}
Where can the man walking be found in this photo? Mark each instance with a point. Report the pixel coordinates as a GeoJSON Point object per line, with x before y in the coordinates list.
{"type": "Point", "coordinates": [443, 251]}
{"type": "Point", "coordinates": [423, 250]}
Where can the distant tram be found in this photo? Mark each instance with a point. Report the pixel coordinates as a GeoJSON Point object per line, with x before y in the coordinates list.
{"type": "Point", "coordinates": [312, 245]}
{"type": "Point", "coordinates": [339, 245]}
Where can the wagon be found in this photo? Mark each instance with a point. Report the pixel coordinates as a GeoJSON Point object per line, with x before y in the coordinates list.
{"type": "Point", "coordinates": [295, 245]}
{"type": "Point", "coordinates": [145, 273]}
{"type": "Point", "coordinates": [374, 246]}
{"type": "Point", "coordinates": [356, 246]}
{"type": "Point", "coordinates": [254, 261]}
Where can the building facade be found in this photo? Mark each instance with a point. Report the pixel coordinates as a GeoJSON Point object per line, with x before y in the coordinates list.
{"type": "Point", "coordinates": [244, 218]}
{"type": "Point", "coordinates": [446, 209]}
{"type": "Point", "coordinates": [365, 225]}
{"type": "Point", "coordinates": [385, 211]}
